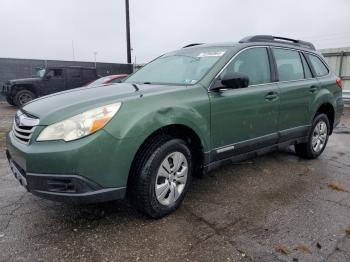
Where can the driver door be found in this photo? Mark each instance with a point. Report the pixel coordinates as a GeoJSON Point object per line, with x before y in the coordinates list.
{"type": "Point", "coordinates": [245, 119]}
{"type": "Point", "coordinates": [54, 81]}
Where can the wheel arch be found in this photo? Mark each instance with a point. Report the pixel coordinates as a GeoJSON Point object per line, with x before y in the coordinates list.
{"type": "Point", "coordinates": [30, 87]}
{"type": "Point", "coordinates": [327, 109]}
{"type": "Point", "coordinates": [181, 131]}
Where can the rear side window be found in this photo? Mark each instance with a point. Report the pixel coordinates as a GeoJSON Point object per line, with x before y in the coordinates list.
{"type": "Point", "coordinates": [253, 62]}
{"type": "Point", "coordinates": [88, 74]}
{"type": "Point", "coordinates": [289, 65]}
{"type": "Point", "coordinates": [318, 65]}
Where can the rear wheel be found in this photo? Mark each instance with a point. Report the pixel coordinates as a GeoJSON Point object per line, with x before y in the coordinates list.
{"type": "Point", "coordinates": [161, 176]}
{"type": "Point", "coordinates": [22, 97]}
{"type": "Point", "coordinates": [317, 139]}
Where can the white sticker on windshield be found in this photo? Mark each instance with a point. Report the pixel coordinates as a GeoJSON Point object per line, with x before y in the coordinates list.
{"type": "Point", "coordinates": [211, 53]}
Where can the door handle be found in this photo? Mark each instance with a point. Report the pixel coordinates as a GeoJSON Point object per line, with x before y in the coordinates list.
{"type": "Point", "coordinates": [271, 96]}
{"type": "Point", "coordinates": [313, 89]}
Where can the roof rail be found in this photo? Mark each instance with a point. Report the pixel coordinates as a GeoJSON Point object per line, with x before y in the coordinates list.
{"type": "Point", "coordinates": [277, 39]}
{"type": "Point", "coordinates": [194, 44]}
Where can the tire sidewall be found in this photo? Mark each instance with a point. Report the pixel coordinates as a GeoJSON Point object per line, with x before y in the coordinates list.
{"type": "Point", "coordinates": [150, 171]}
{"type": "Point", "coordinates": [9, 100]}
{"type": "Point", "coordinates": [309, 144]}
{"type": "Point", "coordinates": [19, 93]}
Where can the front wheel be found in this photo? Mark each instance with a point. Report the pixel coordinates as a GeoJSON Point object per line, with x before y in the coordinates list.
{"type": "Point", "coordinates": [317, 139]}
{"type": "Point", "coordinates": [22, 97]}
{"type": "Point", "coordinates": [162, 176]}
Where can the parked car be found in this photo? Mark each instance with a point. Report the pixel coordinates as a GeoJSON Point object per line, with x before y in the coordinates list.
{"type": "Point", "coordinates": [182, 114]}
{"type": "Point", "coordinates": [50, 80]}
{"type": "Point", "coordinates": [112, 79]}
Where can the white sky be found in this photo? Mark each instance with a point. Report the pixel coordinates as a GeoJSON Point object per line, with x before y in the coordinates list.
{"type": "Point", "coordinates": [45, 29]}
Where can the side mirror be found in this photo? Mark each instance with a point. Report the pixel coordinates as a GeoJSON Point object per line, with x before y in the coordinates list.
{"type": "Point", "coordinates": [232, 81]}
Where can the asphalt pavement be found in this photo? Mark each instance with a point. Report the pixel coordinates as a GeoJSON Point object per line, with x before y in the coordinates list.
{"type": "Point", "coordinates": [277, 207]}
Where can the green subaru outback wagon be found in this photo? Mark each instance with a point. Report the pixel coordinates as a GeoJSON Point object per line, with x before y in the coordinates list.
{"type": "Point", "coordinates": [182, 114]}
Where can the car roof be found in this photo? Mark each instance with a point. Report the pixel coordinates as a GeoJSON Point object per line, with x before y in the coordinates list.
{"type": "Point", "coordinates": [266, 40]}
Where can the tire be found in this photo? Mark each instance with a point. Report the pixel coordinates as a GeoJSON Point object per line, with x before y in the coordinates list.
{"type": "Point", "coordinates": [22, 97]}
{"type": "Point", "coordinates": [317, 139]}
{"type": "Point", "coordinates": [154, 169]}
{"type": "Point", "coordinates": [10, 100]}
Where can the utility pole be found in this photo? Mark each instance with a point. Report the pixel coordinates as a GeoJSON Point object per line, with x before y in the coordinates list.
{"type": "Point", "coordinates": [73, 51]}
{"type": "Point", "coordinates": [95, 55]}
{"type": "Point", "coordinates": [128, 46]}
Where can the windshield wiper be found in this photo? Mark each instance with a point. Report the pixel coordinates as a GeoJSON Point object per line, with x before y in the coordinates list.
{"type": "Point", "coordinates": [136, 87]}
{"type": "Point", "coordinates": [147, 83]}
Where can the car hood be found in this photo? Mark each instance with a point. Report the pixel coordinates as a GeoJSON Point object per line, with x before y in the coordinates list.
{"type": "Point", "coordinates": [24, 80]}
{"type": "Point", "coordinates": [59, 106]}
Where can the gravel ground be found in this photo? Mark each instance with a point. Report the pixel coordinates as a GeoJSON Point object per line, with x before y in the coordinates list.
{"type": "Point", "coordinates": [272, 208]}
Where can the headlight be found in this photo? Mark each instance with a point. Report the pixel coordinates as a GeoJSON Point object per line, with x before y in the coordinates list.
{"type": "Point", "coordinates": [80, 125]}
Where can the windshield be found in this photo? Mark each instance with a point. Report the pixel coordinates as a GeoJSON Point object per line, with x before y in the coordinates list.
{"type": "Point", "coordinates": [40, 72]}
{"type": "Point", "coordinates": [186, 66]}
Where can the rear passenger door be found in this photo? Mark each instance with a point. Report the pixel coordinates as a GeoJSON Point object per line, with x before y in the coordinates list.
{"type": "Point", "coordinates": [297, 87]}
{"type": "Point", "coordinates": [74, 78]}
{"type": "Point", "coordinates": [89, 75]}
{"type": "Point", "coordinates": [53, 81]}
{"type": "Point", "coordinates": [245, 119]}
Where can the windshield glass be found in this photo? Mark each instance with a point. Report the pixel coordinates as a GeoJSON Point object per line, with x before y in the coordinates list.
{"type": "Point", "coordinates": [40, 72]}
{"type": "Point", "coordinates": [185, 66]}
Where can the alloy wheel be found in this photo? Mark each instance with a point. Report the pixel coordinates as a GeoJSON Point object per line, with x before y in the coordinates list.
{"type": "Point", "coordinates": [171, 178]}
{"type": "Point", "coordinates": [319, 136]}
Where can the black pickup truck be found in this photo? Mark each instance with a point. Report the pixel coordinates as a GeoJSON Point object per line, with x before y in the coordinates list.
{"type": "Point", "coordinates": [48, 81]}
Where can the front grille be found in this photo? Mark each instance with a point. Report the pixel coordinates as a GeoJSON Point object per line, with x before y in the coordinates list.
{"type": "Point", "coordinates": [24, 126]}
{"type": "Point", "coordinates": [6, 87]}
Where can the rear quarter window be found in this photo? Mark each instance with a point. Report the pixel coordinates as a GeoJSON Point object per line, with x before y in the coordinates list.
{"type": "Point", "coordinates": [319, 67]}
{"type": "Point", "coordinates": [73, 73]}
{"type": "Point", "coordinates": [89, 74]}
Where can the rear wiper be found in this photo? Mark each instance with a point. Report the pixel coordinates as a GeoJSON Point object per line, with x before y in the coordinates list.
{"type": "Point", "coordinates": [147, 83]}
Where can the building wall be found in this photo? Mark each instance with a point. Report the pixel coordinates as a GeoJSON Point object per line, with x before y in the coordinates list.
{"type": "Point", "coordinates": [11, 68]}
{"type": "Point", "coordinates": [339, 61]}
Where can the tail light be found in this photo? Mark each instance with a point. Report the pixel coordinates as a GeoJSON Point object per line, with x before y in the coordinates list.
{"type": "Point", "coordinates": [339, 82]}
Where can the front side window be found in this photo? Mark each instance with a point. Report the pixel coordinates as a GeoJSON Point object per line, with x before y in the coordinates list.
{"type": "Point", "coordinates": [55, 73]}
{"type": "Point", "coordinates": [185, 66]}
{"type": "Point", "coordinates": [289, 65]}
{"type": "Point", "coordinates": [254, 63]}
{"type": "Point", "coordinates": [320, 68]}
{"type": "Point", "coordinates": [41, 72]}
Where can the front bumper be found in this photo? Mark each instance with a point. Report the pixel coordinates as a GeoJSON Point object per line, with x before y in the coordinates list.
{"type": "Point", "coordinates": [92, 169]}
{"type": "Point", "coordinates": [65, 188]}
{"type": "Point", "coordinates": [5, 89]}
